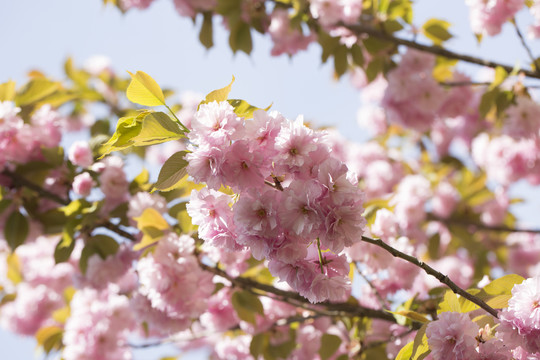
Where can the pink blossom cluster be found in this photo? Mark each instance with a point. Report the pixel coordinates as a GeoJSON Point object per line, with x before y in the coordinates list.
{"type": "Point", "coordinates": [98, 327]}
{"type": "Point", "coordinates": [21, 142]}
{"type": "Point", "coordinates": [506, 159]}
{"type": "Point", "coordinates": [520, 321]}
{"type": "Point", "coordinates": [331, 12]}
{"type": "Point", "coordinates": [319, 201]}
{"type": "Point", "coordinates": [488, 17]}
{"type": "Point", "coordinates": [172, 282]}
{"type": "Point", "coordinates": [534, 29]}
{"type": "Point", "coordinates": [453, 336]}
{"type": "Point", "coordinates": [286, 38]}
{"type": "Point", "coordinates": [41, 291]}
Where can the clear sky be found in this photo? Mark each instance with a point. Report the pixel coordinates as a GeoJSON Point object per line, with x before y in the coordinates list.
{"type": "Point", "coordinates": [41, 34]}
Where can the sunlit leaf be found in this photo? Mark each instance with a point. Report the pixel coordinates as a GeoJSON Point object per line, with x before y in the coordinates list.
{"type": "Point", "coordinates": [144, 90]}
{"type": "Point", "coordinates": [172, 171]}
{"type": "Point", "coordinates": [16, 229]}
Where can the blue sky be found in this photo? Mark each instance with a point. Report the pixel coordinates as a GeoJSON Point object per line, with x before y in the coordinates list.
{"type": "Point", "coordinates": [41, 34]}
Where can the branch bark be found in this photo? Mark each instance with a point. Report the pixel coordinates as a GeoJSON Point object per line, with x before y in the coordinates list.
{"type": "Point", "coordinates": [360, 29]}
{"type": "Point", "coordinates": [429, 270]}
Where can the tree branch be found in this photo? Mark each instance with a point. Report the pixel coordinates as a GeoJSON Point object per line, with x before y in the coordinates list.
{"type": "Point", "coordinates": [326, 308]}
{"type": "Point", "coordinates": [479, 226]}
{"type": "Point", "coordinates": [20, 181]}
{"type": "Point", "coordinates": [525, 46]}
{"type": "Point", "coordinates": [360, 29]}
{"type": "Point", "coordinates": [429, 270]}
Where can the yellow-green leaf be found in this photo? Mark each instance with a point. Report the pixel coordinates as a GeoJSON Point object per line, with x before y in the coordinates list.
{"type": "Point", "coordinates": [329, 345]}
{"type": "Point", "coordinates": [219, 94]}
{"type": "Point", "coordinates": [206, 34]}
{"type": "Point", "coordinates": [436, 30]}
{"type": "Point", "coordinates": [151, 217]}
{"type": "Point", "coordinates": [413, 315]}
{"type": "Point", "coordinates": [450, 303]}
{"type": "Point", "coordinates": [36, 90]}
{"type": "Point", "coordinates": [144, 90]}
{"type": "Point", "coordinates": [406, 352]}
{"type": "Point", "coordinates": [50, 338]}
{"type": "Point", "coordinates": [247, 305]}
{"type": "Point", "coordinates": [7, 91]}
{"type": "Point", "coordinates": [157, 127]}
{"type": "Point", "coordinates": [14, 273]}
{"type": "Point", "coordinates": [503, 285]}
{"type": "Point", "coordinates": [420, 344]}
{"type": "Point", "coordinates": [500, 76]}
{"type": "Point", "coordinates": [172, 172]}
{"type": "Point", "coordinates": [16, 229]}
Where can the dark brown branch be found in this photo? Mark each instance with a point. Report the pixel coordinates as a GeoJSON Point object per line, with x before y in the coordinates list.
{"type": "Point", "coordinates": [326, 308]}
{"type": "Point", "coordinates": [360, 29]}
{"type": "Point", "coordinates": [429, 270]}
{"type": "Point", "coordinates": [19, 181]}
{"type": "Point", "coordinates": [480, 226]}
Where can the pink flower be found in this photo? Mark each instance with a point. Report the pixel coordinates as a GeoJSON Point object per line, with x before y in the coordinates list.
{"type": "Point", "coordinates": [80, 154]}
{"type": "Point", "coordinates": [98, 326]}
{"type": "Point", "coordinates": [287, 39]}
{"type": "Point", "coordinates": [210, 210]}
{"type": "Point", "coordinates": [520, 321]}
{"type": "Point", "coordinates": [191, 7]}
{"type": "Point", "coordinates": [83, 184]}
{"type": "Point", "coordinates": [215, 124]}
{"type": "Point", "coordinates": [137, 4]}
{"type": "Point", "coordinates": [523, 119]}
{"type": "Point", "coordinates": [445, 200]}
{"type": "Point", "coordinates": [452, 337]}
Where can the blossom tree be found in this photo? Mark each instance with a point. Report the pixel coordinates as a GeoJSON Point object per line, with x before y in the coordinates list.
{"type": "Point", "coordinates": [263, 237]}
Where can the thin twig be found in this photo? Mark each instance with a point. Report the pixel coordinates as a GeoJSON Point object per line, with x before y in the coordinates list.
{"type": "Point", "coordinates": [525, 46]}
{"type": "Point", "coordinates": [480, 226]}
{"type": "Point", "coordinates": [20, 181]}
{"type": "Point", "coordinates": [325, 308]}
{"type": "Point", "coordinates": [429, 270]}
{"type": "Point", "coordinates": [382, 301]}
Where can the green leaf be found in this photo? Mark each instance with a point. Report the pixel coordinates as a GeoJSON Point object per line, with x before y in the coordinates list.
{"type": "Point", "coordinates": [436, 30]}
{"type": "Point", "coordinates": [65, 246]}
{"type": "Point", "coordinates": [16, 229]}
{"type": "Point", "coordinates": [36, 90]}
{"type": "Point", "coordinates": [240, 37]}
{"type": "Point", "coordinates": [487, 101]}
{"type": "Point", "coordinates": [50, 338]}
{"type": "Point", "coordinates": [503, 285]}
{"type": "Point", "coordinates": [329, 345]}
{"type": "Point", "coordinates": [144, 90]}
{"type": "Point", "coordinates": [218, 95]}
{"type": "Point", "coordinates": [340, 60]}
{"type": "Point", "coordinates": [374, 68]}
{"type": "Point", "coordinates": [357, 55]}
{"type": "Point", "coordinates": [420, 344]}
{"type": "Point", "coordinates": [247, 305]}
{"type": "Point", "coordinates": [243, 109]}
{"type": "Point", "coordinates": [206, 34]}
{"type": "Point", "coordinates": [7, 91]}
{"type": "Point", "coordinates": [500, 76]}
{"type": "Point", "coordinates": [157, 127]}
{"type": "Point", "coordinates": [409, 314]}
{"type": "Point", "coordinates": [126, 129]}
{"type": "Point", "coordinates": [258, 344]}
{"type": "Point", "coordinates": [14, 272]}
{"type": "Point", "coordinates": [406, 352]}
{"type": "Point", "coordinates": [450, 303]}
{"type": "Point", "coordinates": [174, 169]}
